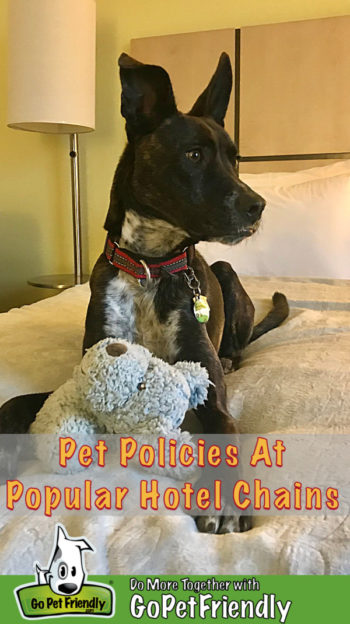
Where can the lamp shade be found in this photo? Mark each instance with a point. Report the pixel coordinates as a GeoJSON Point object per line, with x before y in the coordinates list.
{"type": "Point", "coordinates": [52, 65]}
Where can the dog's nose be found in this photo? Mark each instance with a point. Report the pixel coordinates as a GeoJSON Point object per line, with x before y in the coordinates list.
{"type": "Point", "coordinates": [256, 208]}
{"type": "Point", "coordinates": [67, 588]}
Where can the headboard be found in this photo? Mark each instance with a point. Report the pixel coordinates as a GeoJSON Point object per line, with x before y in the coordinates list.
{"type": "Point", "coordinates": [291, 103]}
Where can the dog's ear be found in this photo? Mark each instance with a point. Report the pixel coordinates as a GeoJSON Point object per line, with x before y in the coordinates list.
{"type": "Point", "coordinates": [147, 96]}
{"type": "Point", "coordinates": [213, 102]}
{"type": "Point", "coordinates": [83, 544]}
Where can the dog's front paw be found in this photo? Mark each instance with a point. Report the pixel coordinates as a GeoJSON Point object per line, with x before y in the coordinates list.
{"type": "Point", "coordinates": [230, 364]}
{"type": "Point", "coordinates": [228, 523]}
{"type": "Point", "coordinates": [226, 364]}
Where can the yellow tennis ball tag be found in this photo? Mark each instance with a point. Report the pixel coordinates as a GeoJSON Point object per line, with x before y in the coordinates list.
{"type": "Point", "coordinates": [201, 309]}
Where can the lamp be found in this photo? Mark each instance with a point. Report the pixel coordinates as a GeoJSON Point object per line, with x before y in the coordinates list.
{"type": "Point", "coordinates": [52, 86]}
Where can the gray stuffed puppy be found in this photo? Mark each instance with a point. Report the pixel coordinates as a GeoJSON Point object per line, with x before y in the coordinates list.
{"type": "Point", "coordinates": [120, 387]}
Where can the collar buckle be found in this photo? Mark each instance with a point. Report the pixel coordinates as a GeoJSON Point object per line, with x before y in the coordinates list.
{"type": "Point", "coordinates": [115, 246]}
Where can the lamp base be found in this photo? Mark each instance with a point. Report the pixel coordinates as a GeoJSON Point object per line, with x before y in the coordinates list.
{"type": "Point", "coordinates": [56, 282]}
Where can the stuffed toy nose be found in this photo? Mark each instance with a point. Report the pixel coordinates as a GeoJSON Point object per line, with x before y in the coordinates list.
{"type": "Point", "coordinates": [116, 349]}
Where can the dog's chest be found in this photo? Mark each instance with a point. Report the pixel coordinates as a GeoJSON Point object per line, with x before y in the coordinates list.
{"type": "Point", "coordinates": [130, 313]}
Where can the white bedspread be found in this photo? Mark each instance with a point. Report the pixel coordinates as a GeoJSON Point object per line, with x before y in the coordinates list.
{"type": "Point", "coordinates": [296, 378]}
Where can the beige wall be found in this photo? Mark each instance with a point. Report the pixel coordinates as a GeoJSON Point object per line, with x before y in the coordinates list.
{"type": "Point", "coordinates": [35, 225]}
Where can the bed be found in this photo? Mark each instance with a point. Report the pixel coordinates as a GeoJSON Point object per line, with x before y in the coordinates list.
{"type": "Point", "coordinates": [307, 360]}
{"type": "Point", "coordinates": [295, 378]}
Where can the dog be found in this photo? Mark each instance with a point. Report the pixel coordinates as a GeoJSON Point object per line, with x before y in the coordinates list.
{"type": "Point", "coordinates": [66, 572]}
{"type": "Point", "coordinates": [177, 184]}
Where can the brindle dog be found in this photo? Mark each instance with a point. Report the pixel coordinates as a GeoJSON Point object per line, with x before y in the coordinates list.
{"type": "Point", "coordinates": [177, 184]}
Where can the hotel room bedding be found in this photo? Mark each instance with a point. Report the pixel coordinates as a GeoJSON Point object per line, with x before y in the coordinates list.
{"type": "Point", "coordinates": [296, 378]}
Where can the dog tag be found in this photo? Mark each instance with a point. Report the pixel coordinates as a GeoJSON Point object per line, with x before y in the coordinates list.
{"type": "Point", "coordinates": [201, 308]}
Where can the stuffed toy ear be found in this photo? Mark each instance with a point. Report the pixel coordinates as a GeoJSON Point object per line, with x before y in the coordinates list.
{"type": "Point", "coordinates": [198, 380]}
{"type": "Point", "coordinates": [147, 96]}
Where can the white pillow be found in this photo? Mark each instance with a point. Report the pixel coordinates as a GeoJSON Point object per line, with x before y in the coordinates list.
{"type": "Point", "coordinates": [305, 229]}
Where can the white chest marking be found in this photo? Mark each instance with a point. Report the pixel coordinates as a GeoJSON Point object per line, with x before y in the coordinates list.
{"type": "Point", "coordinates": [150, 236]}
{"type": "Point", "coordinates": [130, 314]}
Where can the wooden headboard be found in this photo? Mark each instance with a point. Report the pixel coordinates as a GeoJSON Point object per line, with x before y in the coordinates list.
{"type": "Point", "coordinates": [290, 108]}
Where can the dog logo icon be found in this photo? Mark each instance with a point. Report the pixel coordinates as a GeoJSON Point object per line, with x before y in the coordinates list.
{"type": "Point", "coordinates": [62, 589]}
{"type": "Point", "coordinates": [66, 572]}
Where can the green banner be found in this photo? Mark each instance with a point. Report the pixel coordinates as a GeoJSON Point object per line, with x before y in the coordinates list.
{"type": "Point", "coordinates": [181, 598]}
{"type": "Point", "coordinates": [38, 601]}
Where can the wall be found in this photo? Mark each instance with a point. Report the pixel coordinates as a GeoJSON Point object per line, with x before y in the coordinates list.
{"type": "Point", "coordinates": [35, 222]}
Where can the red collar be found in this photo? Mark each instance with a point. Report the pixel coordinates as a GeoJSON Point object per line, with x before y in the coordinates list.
{"type": "Point", "coordinates": [143, 268]}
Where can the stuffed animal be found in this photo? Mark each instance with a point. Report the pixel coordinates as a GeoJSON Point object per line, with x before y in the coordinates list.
{"type": "Point", "coordinates": [121, 387]}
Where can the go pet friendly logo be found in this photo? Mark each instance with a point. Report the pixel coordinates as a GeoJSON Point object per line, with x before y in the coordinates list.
{"type": "Point", "coordinates": [61, 588]}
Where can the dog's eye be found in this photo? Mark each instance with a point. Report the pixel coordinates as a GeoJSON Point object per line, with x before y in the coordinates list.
{"type": "Point", "coordinates": [62, 570]}
{"type": "Point", "coordinates": [141, 386]}
{"type": "Point", "coordinates": [74, 571]}
{"type": "Point", "coordinates": [195, 155]}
